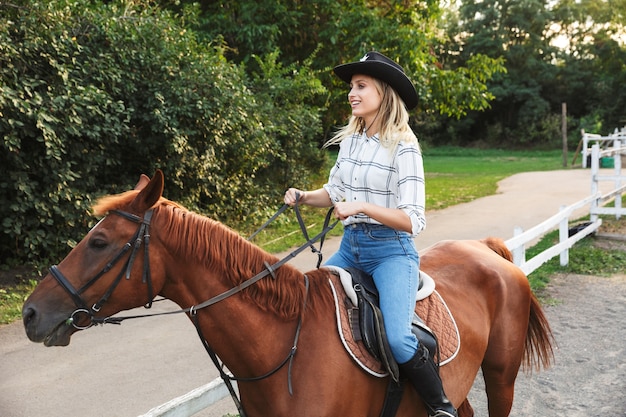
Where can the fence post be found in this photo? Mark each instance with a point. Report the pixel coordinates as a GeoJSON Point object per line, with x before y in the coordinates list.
{"type": "Point", "coordinates": [563, 236]}
{"type": "Point", "coordinates": [519, 253]}
{"type": "Point", "coordinates": [595, 167]}
{"type": "Point", "coordinates": [617, 164]}
{"type": "Point", "coordinates": [564, 132]}
{"type": "Point", "coordinates": [585, 143]}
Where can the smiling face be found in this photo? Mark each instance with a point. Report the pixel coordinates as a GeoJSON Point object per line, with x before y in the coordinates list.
{"type": "Point", "coordinates": [365, 98]}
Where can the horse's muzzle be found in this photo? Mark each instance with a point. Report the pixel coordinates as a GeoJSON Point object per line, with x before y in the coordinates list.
{"type": "Point", "coordinates": [50, 329]}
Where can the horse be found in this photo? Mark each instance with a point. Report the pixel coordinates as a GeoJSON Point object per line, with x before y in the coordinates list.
{"type": "Point", "coordinates": [276, 332]}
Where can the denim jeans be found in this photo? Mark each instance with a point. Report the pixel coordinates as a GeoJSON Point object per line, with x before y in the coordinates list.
{"type": "Point", "coordinates": [391, 258]}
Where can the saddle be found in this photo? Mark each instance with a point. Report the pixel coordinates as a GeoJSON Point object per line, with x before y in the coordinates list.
{"type": "Point", "coordinates": [362, 329]}
{"type": "Point", "coordinates": [367, 323]}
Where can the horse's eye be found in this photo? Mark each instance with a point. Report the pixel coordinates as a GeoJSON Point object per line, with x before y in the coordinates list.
{"type": "Point", "coordinates": [97, 243]}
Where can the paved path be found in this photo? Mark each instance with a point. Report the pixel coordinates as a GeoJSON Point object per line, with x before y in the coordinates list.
{"type": "Point", "coordinates": [124, 371]}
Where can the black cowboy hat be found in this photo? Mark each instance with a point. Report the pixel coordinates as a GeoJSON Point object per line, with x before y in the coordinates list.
{"type": "Point", "coordinates": [379, 66]}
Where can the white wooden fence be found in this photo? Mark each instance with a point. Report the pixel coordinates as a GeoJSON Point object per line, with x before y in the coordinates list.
{"type": "Point", "coordinates": [193, 402]}
{"type": "Point", "coordinates": [518, 242]}
{"type": "Point", "coordinates": [589, 139]}
{"type": "Point", "coordinates": [207, 395]}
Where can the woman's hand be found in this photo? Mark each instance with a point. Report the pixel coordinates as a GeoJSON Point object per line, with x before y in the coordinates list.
{"type": "Point", "coordinates": [343, 210]}
{"type": "Point", "coordinates": [317, 198]}
{"type": "Point", "coordinates": [292, 195]}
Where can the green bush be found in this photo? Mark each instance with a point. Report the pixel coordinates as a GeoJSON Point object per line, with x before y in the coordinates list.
{"type": "Point", "coordinates": [92, 95]}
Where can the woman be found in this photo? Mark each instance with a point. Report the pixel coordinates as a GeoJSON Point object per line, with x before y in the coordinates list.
{"type": "Point", "coordinates": [377, 190]}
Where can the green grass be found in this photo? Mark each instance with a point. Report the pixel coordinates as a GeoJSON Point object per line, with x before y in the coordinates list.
{"type": "Point", "coordinates": [11, 300]}
{"type": "Point", "coordinates": [457, 175]}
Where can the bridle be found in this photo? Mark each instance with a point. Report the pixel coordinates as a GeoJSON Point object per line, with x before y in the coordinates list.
{"type": "Point", "coordinates": [142, 235]}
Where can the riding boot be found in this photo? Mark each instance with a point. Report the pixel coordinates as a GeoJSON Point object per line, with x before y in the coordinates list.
{"type": "Point", "coordinates": [423, 373]}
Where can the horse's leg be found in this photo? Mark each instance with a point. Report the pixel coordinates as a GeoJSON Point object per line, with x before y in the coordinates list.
{"type": "Point", "coordinates": [465, 409]}
{"type": "Point", "coordinates": [502, 361]}
{"type": "Point", "coordinates": [500, 390]}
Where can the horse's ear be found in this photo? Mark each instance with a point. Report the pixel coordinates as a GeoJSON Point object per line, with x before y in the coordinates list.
{"type": "Point", "coordinates": [150, 192]}
{"type": "Point", "coordinates": [143, 181]}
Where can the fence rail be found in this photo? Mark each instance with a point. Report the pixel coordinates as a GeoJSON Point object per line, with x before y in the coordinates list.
{"type": "Point", "coordinates": [192, 402]}
{"type": "Point", "coordinates": [517, 244]}
{"type": "Point", "coordinates": [207, 395]}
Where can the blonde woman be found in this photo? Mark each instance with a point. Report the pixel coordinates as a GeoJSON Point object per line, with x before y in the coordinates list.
{"type": "Point", "coordinates": [377, 190]}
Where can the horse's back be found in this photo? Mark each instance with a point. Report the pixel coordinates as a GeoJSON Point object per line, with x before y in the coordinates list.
{"type": "Point", "coordinates": [462, 266]}
{"type": "Point", "coordinates": [479, 282]}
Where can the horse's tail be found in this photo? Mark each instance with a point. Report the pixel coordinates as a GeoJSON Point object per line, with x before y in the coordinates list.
{"type": "Point", "coordinates": [538, 351]}
{"type": "Point", "coordinates": [498, 246]}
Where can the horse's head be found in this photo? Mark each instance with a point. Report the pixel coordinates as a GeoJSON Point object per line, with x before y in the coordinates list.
{"type": "Point", "coordinates": [108, 271]}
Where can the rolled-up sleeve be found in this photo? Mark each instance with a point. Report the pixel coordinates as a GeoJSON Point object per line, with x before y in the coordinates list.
{"type": "Point", "coordinates": [335, 187]}
{"type": "Point", "coordinates": [411, 194]}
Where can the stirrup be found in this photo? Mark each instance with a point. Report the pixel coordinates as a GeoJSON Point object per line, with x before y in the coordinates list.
{"type": "Point", "coordinates": [442, 413]}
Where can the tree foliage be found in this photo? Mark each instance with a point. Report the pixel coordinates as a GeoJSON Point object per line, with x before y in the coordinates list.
{"type": "Point", "coordinates": [342, 31]}
{"type": "Point", "coordinates": [232, 99]}
{"type": "Point", "coordinates": [93, 94]}
{"type": "Point", "coordinates": [541, 71]}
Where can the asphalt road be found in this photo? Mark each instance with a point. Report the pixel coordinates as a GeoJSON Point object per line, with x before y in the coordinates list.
{"type": "Point", "coordinates": [126, 370]}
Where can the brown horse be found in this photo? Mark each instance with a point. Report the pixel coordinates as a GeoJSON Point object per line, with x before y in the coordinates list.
{"type": "Point", "coordinates": [190, 259]}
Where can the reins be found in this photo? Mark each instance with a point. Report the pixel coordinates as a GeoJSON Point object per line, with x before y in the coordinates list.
{"type": "Point", "coordinates": [228, 378]}
{"type": "Point", "coordinates": [269, 270]}
{"type": "Point", "coordinates": [302, 228]}
{"type": "Point", "coordinates": [143, 236]}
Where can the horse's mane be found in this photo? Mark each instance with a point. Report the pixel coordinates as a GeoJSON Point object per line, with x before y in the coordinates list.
{"type": "Point", "coordinates": [205, 241]}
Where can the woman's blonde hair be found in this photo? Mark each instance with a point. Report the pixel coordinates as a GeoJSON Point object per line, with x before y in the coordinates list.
{"type": "Point", "coordinates": [394, 120]}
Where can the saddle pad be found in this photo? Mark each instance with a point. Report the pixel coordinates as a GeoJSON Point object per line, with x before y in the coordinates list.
{"type": "Point", "coordinates": [433, 311]}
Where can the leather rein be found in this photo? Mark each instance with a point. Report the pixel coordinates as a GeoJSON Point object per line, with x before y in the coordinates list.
{"type": "Point", "coordinates": [142, 236]}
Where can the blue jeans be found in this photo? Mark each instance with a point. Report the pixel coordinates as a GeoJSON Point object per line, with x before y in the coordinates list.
{"type": "Point", "coordinates": [391, 258]}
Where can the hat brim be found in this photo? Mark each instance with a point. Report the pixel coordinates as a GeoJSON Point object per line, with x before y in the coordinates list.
{"type": "Point", "coordinates": [384, 72]}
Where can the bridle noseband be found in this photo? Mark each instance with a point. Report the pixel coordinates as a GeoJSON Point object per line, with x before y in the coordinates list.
{"type": "Point", "coordinates": [142, 235]}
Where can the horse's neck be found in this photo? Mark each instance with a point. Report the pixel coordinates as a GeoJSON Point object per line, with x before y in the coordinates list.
{"type": "Point", "coordinates": [247, 339]}
{"type": "Point", "coordinates": [236, 327]}
{"type": "Point", "coordinates": [209, 258]}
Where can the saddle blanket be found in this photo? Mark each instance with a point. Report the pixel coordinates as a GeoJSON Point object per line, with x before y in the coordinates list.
{"type": "Point", "coordinates": [432, 310]}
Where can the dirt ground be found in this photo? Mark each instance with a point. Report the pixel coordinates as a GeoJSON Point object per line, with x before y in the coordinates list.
{"type": "Point", "coordinates": [588, 318]}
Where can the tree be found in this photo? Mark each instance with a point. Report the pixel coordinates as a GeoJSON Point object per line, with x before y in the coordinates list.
{"type": "Point", "coordinates": [586, 71]}
{"type": "Point", "coordinates": [591, 63]}
{"type": "Point", "coordinates": [515, 31]}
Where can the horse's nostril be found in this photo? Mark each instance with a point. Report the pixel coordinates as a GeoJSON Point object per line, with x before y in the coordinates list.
{"type": "Point", "coordinates": [28, 315]}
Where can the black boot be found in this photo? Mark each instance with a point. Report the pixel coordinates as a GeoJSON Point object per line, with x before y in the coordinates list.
{"type": "Point", "coordinates": [424, 375]}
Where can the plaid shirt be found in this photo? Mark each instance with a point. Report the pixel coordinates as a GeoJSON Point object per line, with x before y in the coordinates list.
{"type": "Point", "coordinates": [367, 171]}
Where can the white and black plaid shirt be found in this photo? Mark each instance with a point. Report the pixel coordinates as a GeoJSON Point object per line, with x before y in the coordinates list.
{"type": "Point", "coordinates": [367, 171]}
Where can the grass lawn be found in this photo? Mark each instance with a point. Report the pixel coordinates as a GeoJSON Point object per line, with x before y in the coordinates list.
{"type": "Point", "coordinates": [456, 175]}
